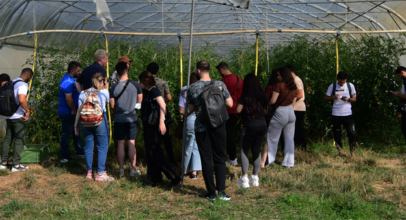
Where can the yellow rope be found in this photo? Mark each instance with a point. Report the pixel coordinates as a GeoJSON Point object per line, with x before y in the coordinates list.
{"type": "Point", "coordinates": [181, 63]}
{"type": "Point", "coordinates": [337, 55]}
{"type": "Point", "coordinates": [33, 65]}
{"type": "Point", "coordinates": [108, 75]}
{"type": "Point", "coordinates": [256, 55]}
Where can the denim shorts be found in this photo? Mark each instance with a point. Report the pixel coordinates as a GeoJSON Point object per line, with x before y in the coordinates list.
{"type": "Point", "coordinates": [125, 129]}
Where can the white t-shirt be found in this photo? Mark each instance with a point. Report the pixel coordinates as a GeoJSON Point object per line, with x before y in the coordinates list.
{"type": "Point", "coordinates": [182, 100]}
{"type": "Point", "coordinates": [340, 107]}
{"type": "Point", "coordinates": [20, 88]}
{"type": "Point", "coordinates": [299, 105]}
{"type": "Point", "coordinates": [403, 90]}
{"type": "Point", "coordinates": [103, 97]}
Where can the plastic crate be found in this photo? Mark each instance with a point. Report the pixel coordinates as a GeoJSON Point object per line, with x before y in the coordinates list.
{"type": "Point", "coordinates": [35, 153]}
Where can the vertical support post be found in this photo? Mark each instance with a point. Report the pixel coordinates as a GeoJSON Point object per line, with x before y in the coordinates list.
{"type": "Point", "coordinates": [256, 53]}
{"type": "Point", "coordinates": [108, 106]}
{"type": "Point", "coordinates": [338, 67]}
{"type": "Point", "coordinates": [188, 84]}
{"type": "Point", "coordinates": [181, 61]}
{"type": "Point", "coordinates": [33, 64]}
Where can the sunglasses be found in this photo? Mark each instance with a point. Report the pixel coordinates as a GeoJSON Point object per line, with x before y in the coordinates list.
{"type": "Point", "coordinates": [102, 80]}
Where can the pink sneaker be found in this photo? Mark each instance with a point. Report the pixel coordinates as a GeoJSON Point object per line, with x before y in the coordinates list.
{"type": "Point", "coordinates": [89, 175]}
{"type": "Point", "coordinates": [103, 177]}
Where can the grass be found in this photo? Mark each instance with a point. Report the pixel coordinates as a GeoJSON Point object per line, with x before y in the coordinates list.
{"type": "Point", "coordinates": [320, 186]}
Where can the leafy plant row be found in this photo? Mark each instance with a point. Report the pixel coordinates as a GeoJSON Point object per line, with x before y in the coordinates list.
{"type": "Point", "coordinates": [370, 62]}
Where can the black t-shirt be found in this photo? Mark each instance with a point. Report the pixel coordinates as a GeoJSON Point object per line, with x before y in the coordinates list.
{"type": "Point", "coordinates": [149, 96]}
{"type": "Point", "coordinates": [255, 118]}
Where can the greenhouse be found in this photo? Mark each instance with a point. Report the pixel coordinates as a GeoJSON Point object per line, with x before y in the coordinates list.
{"type": "Point", "coordinates": [316, 38]}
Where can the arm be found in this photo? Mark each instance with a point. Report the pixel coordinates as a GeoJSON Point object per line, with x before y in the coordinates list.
{"type": "Point", "coordinates": [78, 87]}
{"type": "Point", "coordinates": [274, 98]}
{"type": "Point", "coordinates": [77, 120]}
{"type": "Point", "coordinates": [191, 108]}
{"type": "Point", "coordinates": [352, 99]}
{"type": "Point", "coordinates": [331, 98]}
{"type": "Point", "coordinates": [162, 105]}
{"type": "Point", "coordinates": [181, 110]}
{"type": "Point", "coordinates": [294, 101]}
{"type": "Point", "coordinates": [239, 108]}
{"type": "Point", "coordinates": [69, 101]}
{"type": "Point", "coordinates": [299, 94]}
{"type": "Point", "coordinates": [168, 98]}
{"type": "Point", "coordinates": [229, 102]}
{"type": "Point", "coordinates": [112, 103]}
{"type": "Point", "coordinates": [399, 94]}
{"type": "Point", "coordinates": [139, 98]}
{"type": "Point", "coordinates": [23, 103]}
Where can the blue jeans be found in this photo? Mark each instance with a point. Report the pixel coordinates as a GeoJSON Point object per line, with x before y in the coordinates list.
{"type": "Point", "coordinates": [68, 123]}
{"type": "Point", "coordinates": [191, 159]}
{"type": "Point", "coordinates": [102, 145]}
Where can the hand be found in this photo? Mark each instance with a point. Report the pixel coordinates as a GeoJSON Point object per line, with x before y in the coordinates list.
{"type": "Point", "coordinates": [162, 127]}
{"type": "Point", "coordinates": [396, 93]}
{"type": "Point", "coordinates": [73, 112]}
{"type": "Point", "coordinates": [26, 116]}
{"type": "Point", "coordinates": [345, 99]}
{"type": "Point", "coordinates": [77, 131]}
{"type": "Point", "coordinates": [338, 96]}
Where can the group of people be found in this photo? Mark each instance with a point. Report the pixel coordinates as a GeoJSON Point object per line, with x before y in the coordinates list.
{"type": "Point", "coordinates": [274, 114]}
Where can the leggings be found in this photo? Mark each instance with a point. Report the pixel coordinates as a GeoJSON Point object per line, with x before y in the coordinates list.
{"type": "Point", "coordinates": [252, 137]}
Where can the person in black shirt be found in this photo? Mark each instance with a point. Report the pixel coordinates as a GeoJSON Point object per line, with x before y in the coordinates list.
{"type": "Point", "coordinates": [251, 106]}
{"type": "Point", "coordinates": [156, 162]}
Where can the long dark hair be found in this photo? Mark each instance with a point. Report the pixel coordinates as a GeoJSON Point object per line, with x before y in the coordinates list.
{"type": "Point", "coordinates": [254, 96]}
{"type": "Point", "coordinates": [147, 79]}
{"type": "Point", "coordinates": [273, 80]}
{"type": "Point", "coordinates": [287, 78]}
{"type": "Point", "coordinates": [192, 79]}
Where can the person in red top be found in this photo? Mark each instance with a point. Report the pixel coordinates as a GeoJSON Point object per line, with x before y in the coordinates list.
{"type": "Point", "coordinates": [235, 86]}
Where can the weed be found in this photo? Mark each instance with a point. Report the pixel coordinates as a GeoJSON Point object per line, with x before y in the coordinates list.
{"type": "Point", "coordinates": [4, 172]}
{"type": "Point", "coordinates": [62, 191]}
{"type": "Point", "coordinates": [28, 179]}
{"type": "Point", "coordinates": [56, 171]}
{"type": "Point", "coordinates": [13, 208]}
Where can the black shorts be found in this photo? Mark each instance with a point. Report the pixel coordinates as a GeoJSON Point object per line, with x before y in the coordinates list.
{"type": "Point", "coordinates": [125, 129]}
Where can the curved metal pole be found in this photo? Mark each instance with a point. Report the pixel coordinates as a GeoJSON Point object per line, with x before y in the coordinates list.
{"type": "Point", "coordinates": [108, 106]}
{"type": "Point", "coordinates": [188, 84]}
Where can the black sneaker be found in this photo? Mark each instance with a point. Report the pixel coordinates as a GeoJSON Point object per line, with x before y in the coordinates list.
{"type": "Point", "coordinates": [176, 181]}
{"type": "Point", "coordinates": [210, 197]}
{"type": "Point", "coordinates": [193, 176]}
{"type": "Point", "coordinates": [223, 196]}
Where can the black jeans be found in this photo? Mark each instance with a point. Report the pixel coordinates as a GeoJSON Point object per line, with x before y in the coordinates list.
{"type": "Point", "coordinates": [168, 146]}
{"type": "Point", "coordinates": [156, 162]}
{"type": "Point", "coordinates": [300, 138]}
{"type": "Point", "coordinates": [348, 122]}
{"type": "Point", "coordinates": [231, 142]}
{"type": "Point", "coordinates": [211, 146]}
{"type": "Point", "coordinates": [253, 138]}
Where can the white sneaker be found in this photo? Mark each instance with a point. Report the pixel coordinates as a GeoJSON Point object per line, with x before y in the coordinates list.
{"type": "Point", "coordinates": [232, 162]}
{"type": "Point", "coordinates": [243, 182]}
{"type": "Point", "coordinates": [135, 173]}
{"type": "Point", "coordinates": [3, 167]}
{"type": "Point", "coordinates": [19, 168]}
{"type": "Point", "coordinates": [254, 180]}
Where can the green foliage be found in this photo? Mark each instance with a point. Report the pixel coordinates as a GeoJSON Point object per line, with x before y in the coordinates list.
{"type": "Point", "coordinates": [370, 62]}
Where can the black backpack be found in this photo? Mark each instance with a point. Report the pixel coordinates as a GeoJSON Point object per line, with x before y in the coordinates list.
{"type": "Point", "coordinates": [8, 104]}
{"type": "Point", "coordinates": [213, 107]}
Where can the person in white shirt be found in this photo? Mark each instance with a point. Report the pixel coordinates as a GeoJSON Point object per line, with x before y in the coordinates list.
{"type": "Point", "coordinates": [341, 94]}
{"type": "Point", "coordinates": [17, 123]}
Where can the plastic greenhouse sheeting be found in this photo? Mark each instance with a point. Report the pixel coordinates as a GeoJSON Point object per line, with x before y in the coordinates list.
{"type": "Point", "coordinates": [173, 16]}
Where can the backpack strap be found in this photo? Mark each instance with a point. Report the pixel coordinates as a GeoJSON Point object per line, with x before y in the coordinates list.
{"type": "Point", "coordinates": [349, 88]}
{"type": "Point", "coordinates": [122, 91]}
{"type": "Point", "coordinates": [236, 87]}
{"type": "Point", "coordinates": [283, 99]}
{"type": "Point", "coordinates": [333, 93]}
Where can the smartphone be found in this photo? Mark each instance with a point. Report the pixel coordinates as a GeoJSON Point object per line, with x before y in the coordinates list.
{"type": "Point", "coordinates": [343, 97]}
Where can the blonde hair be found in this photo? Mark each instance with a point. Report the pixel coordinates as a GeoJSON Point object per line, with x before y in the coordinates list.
{"type": "Point", "coordinates": [95, 81]}
{"type": "Point", "coordinates": [99, 55]}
